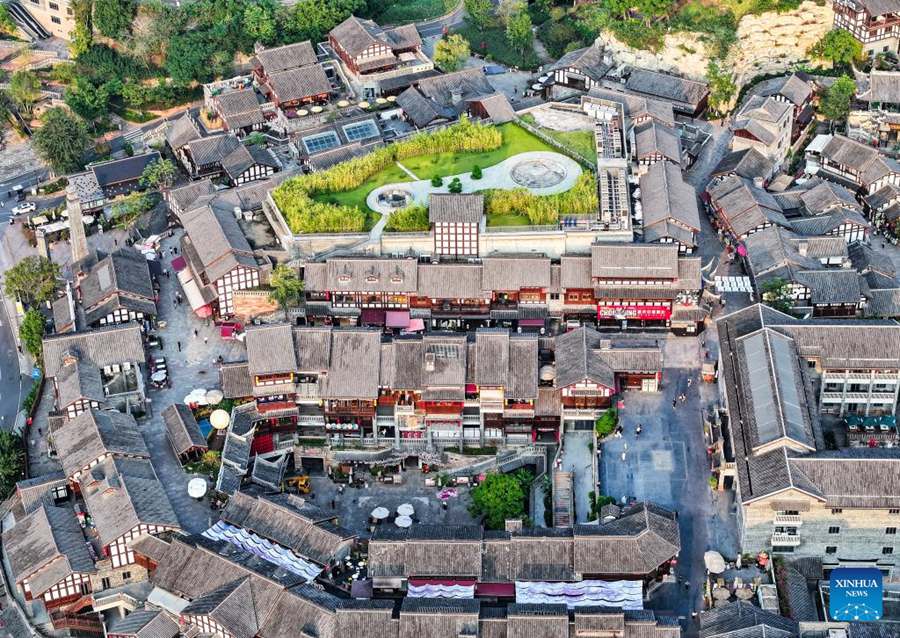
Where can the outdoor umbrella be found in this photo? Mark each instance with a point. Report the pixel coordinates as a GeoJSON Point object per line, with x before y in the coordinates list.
{"type": "Point", "coordinates": [214, 397]}
{"type": "Point", "coordinates": [158, 376]}
{"type": "Point", "coordinates": [380, 513]}
{"type": "Point", "coordinates": [219, 419]}
{"type": "Point", "coordinates": [714, 562]}
{"type": "Point", "coordinates": [403, 521]}
{"type": "Point", "coordinates": [406, 510]}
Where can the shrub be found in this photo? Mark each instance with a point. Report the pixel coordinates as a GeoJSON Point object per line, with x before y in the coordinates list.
{"type": "Point", "coordinates": [606, 423]}
{"type": "Point", "coordinates": [581, 199]}
{"type": "Point", "coordinates": [436, 181]}
{"type": "Point", "coordinates": [409, 219]}
{"type": "Point", "coordinates": [476, 172]}
{"type": "Point", "coordinates": [455, 186]}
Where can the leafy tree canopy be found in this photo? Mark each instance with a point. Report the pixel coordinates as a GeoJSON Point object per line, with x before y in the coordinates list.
{"type": "Point", "coordinates": [25, 90]}
{"type": "Point", "coordinates": [776, 293]}
{"type": "Point", "coordinates": [113, 18]}
{"type": "Point", "coordinates": [451, 52]}
{"type": "Point", "coordinates": [835, 104]}
{"type": "Point", "coordinates": [31, 332]}
{"type": "Point", "coordinates": [480, 12]}
{"type": "Point", "coordinates": [500, 497]}
{"type": "Point", "coordinates": [32, 280]}
{"type": "Point", "coordinates": [12, 462]}
{"type": "Point", "coordinates": [159, 174]}
{"type": "Point", "coordinates": [721, 87]}
{"type": "Point", "coordinates": [839, 46]}
{"type": "Point", "coordinates": [287, 287]}
{"type": "Point", "coordinates": [518, 31]}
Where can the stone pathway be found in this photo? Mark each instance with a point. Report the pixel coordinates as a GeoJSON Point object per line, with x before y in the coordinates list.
{"type": "Point", "coordinates": [407, 171]}
{"type": "Point", "coordinates": [524, 170]}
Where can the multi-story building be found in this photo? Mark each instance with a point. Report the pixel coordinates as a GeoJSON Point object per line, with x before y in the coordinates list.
{"type": "Point", "coordinates": [217, 260]}
{"type": "Point", "coordinates": [55, 16]}
{"type": "Point", "coordinates": [669, 208]}
{"type": "Point", "coordinates": [875, 24]}
{"type": "Point", "coordinates": [117, 290]}
{"type": "Point", "coordinates": [766, 124]}
{"type": "Point", "coordinates": [743, 208]}
{"type": "Point", "coordinates": [796, 90]}
{"type": "Point", "coordinates": [854, 164]}
{"type": "Point", "coordinates": [794, 496]}
{"type": "Point", "coordinates": [104, 181]}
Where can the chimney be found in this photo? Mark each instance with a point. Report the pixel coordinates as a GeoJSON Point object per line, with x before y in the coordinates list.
{"type": "Point", "coordinates": [759, 182]}
{"type": "Point", "coordinates": [77, 235]}
{"type": "Point", "coordinates": [803, 247]}
{"type": "Point", "coordinates": [455, 95]}
{"type": "Point", "coordinates": [69, 358]}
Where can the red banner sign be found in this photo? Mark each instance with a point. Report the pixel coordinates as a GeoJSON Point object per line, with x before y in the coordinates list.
{"type": "Point", "coordinates": [634, 312]}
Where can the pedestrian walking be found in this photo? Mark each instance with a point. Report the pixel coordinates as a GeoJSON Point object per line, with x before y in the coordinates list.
{"type": "Point", "coordinates": [205, 340]}
{"type": "Point", "coordinates": [179, 346]}
{"type": "Point", "coordinates": [690, 381]}
{"type": "Point", "coordinates": [674, 402]}
{"type": "Point", "coordinates": [167, 274]}
{"type": "Point", "coordinates": [196, 334]}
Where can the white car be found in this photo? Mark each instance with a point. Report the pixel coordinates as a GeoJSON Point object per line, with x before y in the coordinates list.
{"type": "Point", "coordinates": [26, 207]}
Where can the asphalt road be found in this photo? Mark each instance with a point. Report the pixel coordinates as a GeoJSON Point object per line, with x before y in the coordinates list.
{"type": "Point", "coordinates": [437, 26]}
{"type": "Point", "coordinates": [11, 384]}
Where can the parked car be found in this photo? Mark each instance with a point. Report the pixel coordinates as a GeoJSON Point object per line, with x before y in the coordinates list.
{"type": "Point", "coordinates": [27, 207]}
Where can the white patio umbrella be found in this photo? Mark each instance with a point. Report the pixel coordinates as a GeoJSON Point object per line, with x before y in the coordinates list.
{"type": "Point", "coordinates": [380, 513]}
{"type": "Point", "coordinates": [197, 487]}
{"type": "Point", "coordinates": [158, 376]}
{"type": "Point", "coordinates": [406, 510]}
{"type": "Point", "coordinates": [403, 521]}
{"type": "Point", "coordinates": [219, 419]}
{"type": "Point", "coordinates": [214, 397]}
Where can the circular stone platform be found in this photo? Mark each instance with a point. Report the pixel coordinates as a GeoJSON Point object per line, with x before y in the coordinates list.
{"type": "Point", "coordinates": [538, 173]}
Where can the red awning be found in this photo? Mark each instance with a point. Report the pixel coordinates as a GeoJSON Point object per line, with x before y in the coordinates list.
{"type": "Point", "coordinates": [495, 589]}
{"type": "Point", "coordinates": [416, 325]}
{"type": "Point", "coordinates": [372, 316]}
{"type": "Point", "coordinates": [397, 318]}
{"type": "Point", "coordinates": [179, 264]}
{"type": "Point", "coordinates": [531, 323]}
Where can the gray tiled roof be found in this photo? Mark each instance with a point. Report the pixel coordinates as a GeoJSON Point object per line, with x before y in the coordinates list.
{"type": "Point", "coordinates": [270, 349]}
{"type": "Point", "coordinates": [652, 138]}
{"type": "Point", "coordinates": [748, 163]}
{"type": "Point", "coordinates": [235, 378]}
{"type": "Point", "coordinates": [734, 616]}
{"type": "Point", "coordinates": [123, 275]}
{"type": "Point", "coordinates": [871, 164]}
{"type": "Point", "coordinates": [353, 372]}
{"type": "Point", "coordinates": [122, 493]}
{"type": "Point", "coordinates": [667, 87]}
{"type": "Point", "coordinates": [668, 198]}
{"type": "Point", "coordinates": [760, 116]}
{"type": "Point", "coordinates": [95, 433]}
{"type": "Point", "coordinates": [635, 106]}
{"type": "Point", "coordinates": [584, 353]}
{"type": "Point", "coordinates": [219, 242]}
{"type": "Point", "coordinates": [370, 275]}
{"type": "Point", "coordinates": [588, 60]}
{"type": "Point", "coordinates": [103, 347]}
{"type": "Point", "coordinates": [831, 286]}
{"type": "Point", "coordinates": [514, 273]}
{"type": "Point", "coordinates": [299, 84]}
{"type": "Point", "coordinates": [289, 56]}
{"type": "Point", "coordinates": [497, 107]}
{"type": "Point", "coordinates": [181, 131]}
{"type": "Point", "coordinates": [144, 623]}
{"type": "Point", "coordinates": [355, 35]}
{"type": "Point", "coordinates": [79, 380]}
{"type": "Point", "coordinates": [881, 86]}
{"type": "Point", "coordinates": [211, 150]}
{"type": "Point", "coordinates": [451, 208]}
{"type": "Point", "coordinates": [47, 546]}
{"type": "Point", "coordinates": [182, 429]}
{"type": "Point", "coordinates": [451, 281]}
{"type": "Point", "coordinates": [744, 206]}
{"type": "Point", "coordinates": [827, 195]}
{"type": "Point", "coordinates": [634, 261]}
{"type": "Point", "coordinates": [240, 108]}
{"type": "Point", "coordinates": [792, 87]}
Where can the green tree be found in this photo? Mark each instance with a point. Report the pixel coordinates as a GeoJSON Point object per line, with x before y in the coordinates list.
{"type": "Point", "coordinates": [12, 462]}
{"type": "Point", "coordinates": [61, 140]}
{"type": "Point", "coordinates": [607, 422]}
{"type": "Point", "coordinates": [160, 174]}
{"type": "Point", "coordinates": [776, 293]}
{"type": "Point", "coordinates": [82, 37]}
{"type": "Point", "coordinates": [89, 101]}
{"type": "Point", "coordinates": [480, 12]}
{"type": "Point", "coordinates": [409, 219]}
{"type": "Point", "coordinates": [721, 87]}
{"type": "Point", "coordinates": [7, 24]}
{"type": "Point", "coordinates": [455, 186]}
{"type": "Point", "coordinates": [113, 18]}
{"type": "Point", "coordinates": [436, 181]}
{"type": "Point", "coordinates": [839, 46]}
{"type": "Point", "coordinates": [127, 210]}
{"type": "Point", "coordinates": [518, 31]}
{"type": "Point", "coordinates": [192, 57]}
{"type": "Point", "coordinates": [451, 52]}
{"type": "Point", "coordinates": [31, 332]}
{"type": "Point", "coordinates": [32, 280]}
{"type": "Point", "coordinates": [287, 287]}
{"type": "Point", "coordinates": [477, 172]}
{"type": "Point", "coordinates": [259, 22]}
{"type": "Point", "coordinates": [25, 91]}
{"type": "Point", "coordinates": [313, 19]}
{"type": "Point", "coordinates": [835, 104]}
{"type": "Point", "coordinates": [506, 9]}
{"type": "Point", "coordinates": [498, 498]}
{"type": "Point", "coordinates": [255, 139]}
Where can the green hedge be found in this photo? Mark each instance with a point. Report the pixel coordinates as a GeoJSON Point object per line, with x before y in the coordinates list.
{"type": "Point", "coordinates": [409, 219]}
{"type": "Point", "coordinates": [581, 199]}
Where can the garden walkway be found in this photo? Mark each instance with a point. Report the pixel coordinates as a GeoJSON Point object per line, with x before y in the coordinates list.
{"type": "Point", "coordinates": [407, 171]}
{"type": "Point", "coordinates": [541, 172]}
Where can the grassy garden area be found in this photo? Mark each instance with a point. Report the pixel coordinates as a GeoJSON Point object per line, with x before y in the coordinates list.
{"type": "Point", "coordinates": [493, 45]}
{"type": "Point", "coordinates": [515, 140]}
{"type": "Point", "coordinates": [581, 142]}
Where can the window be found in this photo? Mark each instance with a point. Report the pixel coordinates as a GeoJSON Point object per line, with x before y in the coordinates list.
{"type": "Point", "coordinates": [321, 142]}
{"type": "Point", "coordinates": [53, 6]}
{"type": "Point", "coordinates": [834, 530]}
{"type": "Point", "coordinates": [364, 130]}
{"type": "Point", "coordinates": [887, 550]}
{"type": "Point", "coordinates": [837, 510]}
{"type": "Point", "coordinates": [890, 530]}
{"type": "Point", "coordinates": [55, 20]}
{"type": "Point", "coordinates": [893, 511]}
{"type": "Point", "coordinates": [126, 576]}
{"type": "Point", "coordinates": [831, 549]}
{"type": "Point", "coordinates": [104, 583]}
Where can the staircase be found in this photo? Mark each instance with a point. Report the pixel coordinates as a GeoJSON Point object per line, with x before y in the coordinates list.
{"type": "Point", "coordinates": [26, 22]}
{"type": "Point", "coordinates": [563, 500]}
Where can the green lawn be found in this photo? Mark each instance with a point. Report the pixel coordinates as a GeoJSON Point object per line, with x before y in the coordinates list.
{"type": "Point", "coordinates": [515, 140]}
{"type": "Point", "coordinates": [508, 220]}
{"type": "Point", "coordinates": [492, 44]}
{"type": "Point", "coordinates": [581, 142]}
